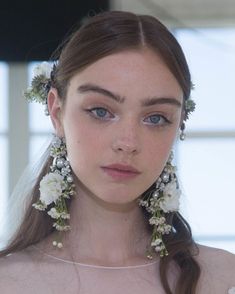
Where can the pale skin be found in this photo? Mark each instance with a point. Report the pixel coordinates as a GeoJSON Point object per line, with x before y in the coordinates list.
{"type": "Point", "coordinates": [108, 227]}
{"type": "Point", "coordinates": [107, 224]}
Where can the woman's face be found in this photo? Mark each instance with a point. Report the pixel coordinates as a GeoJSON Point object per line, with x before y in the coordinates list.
{"type": "Point", "coordinates": [123, 109]}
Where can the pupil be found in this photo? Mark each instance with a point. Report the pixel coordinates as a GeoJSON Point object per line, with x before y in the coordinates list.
{"type": "Point", "coordinates": [101, 112]}
{"type": "Point", "coordinates": [155, 119]}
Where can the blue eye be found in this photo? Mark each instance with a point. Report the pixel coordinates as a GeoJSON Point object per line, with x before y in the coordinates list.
{"type": "Point", "coordinates": [157, 119]}
{"type": "Point", "coordinates": [99, 112]}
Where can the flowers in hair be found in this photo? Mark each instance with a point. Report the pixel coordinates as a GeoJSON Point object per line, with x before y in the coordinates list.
{"type": "Point", "coordinates": [189, 107]}
{"type": "Point", "coordinates": [40, 84]}
{"type": "Point", "coordinates": [43, 69]}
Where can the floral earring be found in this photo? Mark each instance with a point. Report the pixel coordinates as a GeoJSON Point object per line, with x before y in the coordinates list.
{"type": "Point", "coordinates": [164, 199]}
{"type": "Point", "coordinates": [56, 187]}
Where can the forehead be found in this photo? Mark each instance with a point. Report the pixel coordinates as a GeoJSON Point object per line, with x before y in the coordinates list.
{"type": "Point", "coordinates": [137, 72]}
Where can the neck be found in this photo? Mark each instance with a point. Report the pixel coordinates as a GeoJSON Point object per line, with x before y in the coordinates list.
{"type": "Point", "coordinates": [105, 233]}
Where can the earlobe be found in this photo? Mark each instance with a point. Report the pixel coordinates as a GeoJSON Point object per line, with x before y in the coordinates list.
{"type": "Point", "coordinates": [55, 111]}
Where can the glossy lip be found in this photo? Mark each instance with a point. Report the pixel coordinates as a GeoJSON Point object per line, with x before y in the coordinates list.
{"type": "Point", "coordinates": [122, 167]}
{"type": "Point", "coordinates": [121, 172]}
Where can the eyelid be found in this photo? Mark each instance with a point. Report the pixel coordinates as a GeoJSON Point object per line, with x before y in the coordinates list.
{"type": "Point", "coordinates": [90, 111]}
{"type": "Point", "coordinates": [165, 122]}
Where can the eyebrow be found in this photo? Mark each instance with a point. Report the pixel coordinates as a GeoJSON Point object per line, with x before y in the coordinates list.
{"type": "Point", "coordinates": [144, 103]}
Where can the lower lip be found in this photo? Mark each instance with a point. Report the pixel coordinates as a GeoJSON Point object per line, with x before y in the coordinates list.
{"type": "Point", "coordinates": [118, 174]}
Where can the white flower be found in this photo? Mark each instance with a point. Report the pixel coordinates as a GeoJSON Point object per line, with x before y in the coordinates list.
{"type": "Point", "coordinates": [167, 229]}
{"type": "Point", "coordinates": [159, 248]}
{"type": "Point", "coordinates": [61, 227]}
{"type": "Point", "coordinates": [44, 69]}
{"type": "Point", "coordinates": [161, 229]}
{"type": "Point", "coordinates": [154, 220]}
{"type": "Point", "coordinates": [143, 203]}
{"type": "Point", "coordinates": [54, 213]}
{"type": "Point", "coordinates": [51, 187]}
{"type": "Point", "coordinates": [39, 206]}
{"type": "Point", "coordinates": [65, 215]}
{"type": "Point", "coordinates": [156, 242]}
{"type": "Point", "coordinates": [170, 201]}
{"type": "Point", "coordinates": [162, 220]}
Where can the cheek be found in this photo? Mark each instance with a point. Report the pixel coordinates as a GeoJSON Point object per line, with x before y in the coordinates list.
{"type": "Point", "coordinates": [157, 152]}
{"type": "Point", "coordinates": [84, 142]}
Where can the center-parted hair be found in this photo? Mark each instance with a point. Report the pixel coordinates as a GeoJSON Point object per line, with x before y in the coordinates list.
{"type": "Point", "coordinates": [115, 31]}
{"type": "Point", "coordinates": [104, 34]}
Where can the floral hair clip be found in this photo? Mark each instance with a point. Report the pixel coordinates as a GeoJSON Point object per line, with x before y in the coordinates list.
{"type": "Point", "coordinates": [190, 106]}
{"type": "Point", "coordinates": [40, 84]}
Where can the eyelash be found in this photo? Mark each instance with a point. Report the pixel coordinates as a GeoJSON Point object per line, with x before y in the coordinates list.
{"type": "Point", "coordinates": [90, 111]}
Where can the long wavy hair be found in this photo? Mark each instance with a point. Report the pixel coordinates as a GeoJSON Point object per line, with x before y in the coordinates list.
{"type": "Point", "coordinates": [102, 35]}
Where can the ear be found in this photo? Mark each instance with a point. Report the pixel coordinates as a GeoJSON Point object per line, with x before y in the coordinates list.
{"type": "Point", "coordinates": [55, 110]}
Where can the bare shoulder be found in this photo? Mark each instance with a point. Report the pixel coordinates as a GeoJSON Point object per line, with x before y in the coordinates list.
{"type": "Point", "coordinates": [15, 270]}
{"type": "Point", "coordinates": [16, 260]}
{"type": "Point", "coordinates": [217, 264]}
{"type": "Point", "coordinates": [216, 256]}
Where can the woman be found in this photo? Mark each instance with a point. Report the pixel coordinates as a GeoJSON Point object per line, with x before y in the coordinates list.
{"type": "Point", "coordinates": [103, 214]}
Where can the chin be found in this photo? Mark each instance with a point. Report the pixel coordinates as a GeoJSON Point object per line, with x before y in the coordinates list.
{"type": "Point", "coordinates": [120, 202]}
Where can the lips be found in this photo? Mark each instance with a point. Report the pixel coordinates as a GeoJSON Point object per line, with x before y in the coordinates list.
{"type": "Point", "coordinates": [121, 172]}
{"type": "Point", "coordinates": [121, 167]}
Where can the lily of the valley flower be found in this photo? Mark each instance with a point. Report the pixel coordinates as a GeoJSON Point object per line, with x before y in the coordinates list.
{"type": "Point", "coordinates": [54, 213]}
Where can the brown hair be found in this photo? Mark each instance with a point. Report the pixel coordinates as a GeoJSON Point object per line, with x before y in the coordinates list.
{"type": "Point", "coordinates": [102, 35]}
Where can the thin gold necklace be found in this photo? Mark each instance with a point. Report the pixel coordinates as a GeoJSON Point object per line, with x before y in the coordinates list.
{"type": "Point", "coordinates": [96, 266]}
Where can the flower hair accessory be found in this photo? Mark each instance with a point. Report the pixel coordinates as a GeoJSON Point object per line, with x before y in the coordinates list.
{"type": "Point", "coordinates": [190, 106]}
{"type": "Point", "coordinates": [40, 84]}
{"type": "Point", "coordinates": [164, 199]}
{"type": "Point", "coordinates": [56, 187]}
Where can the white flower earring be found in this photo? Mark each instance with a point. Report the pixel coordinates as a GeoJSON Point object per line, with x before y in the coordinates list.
{"type": "Point", "coordinates": [164, 199]}
{"type": "Point", "coordinates": [57, 186]}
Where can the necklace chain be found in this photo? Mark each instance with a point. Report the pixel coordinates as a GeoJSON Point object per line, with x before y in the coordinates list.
{"type": "Point", "coordinates": [96, 266]}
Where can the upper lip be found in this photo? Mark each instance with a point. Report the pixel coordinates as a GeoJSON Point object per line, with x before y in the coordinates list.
{"type": "Point", "coordinates": [122, 167]}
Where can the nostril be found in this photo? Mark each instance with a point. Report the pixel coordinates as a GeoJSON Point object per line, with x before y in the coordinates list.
{"type": "Point", "coordinates": [126, 148]}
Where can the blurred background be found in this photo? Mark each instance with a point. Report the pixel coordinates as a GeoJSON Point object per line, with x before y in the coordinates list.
{"type": "Point", "coordinates": [31, 30]}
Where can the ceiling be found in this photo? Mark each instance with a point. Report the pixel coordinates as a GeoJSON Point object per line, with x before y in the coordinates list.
{"type": "Point", "coordinates": [184, 13]}
{"type": "Point", "coordinates": [31, 30]}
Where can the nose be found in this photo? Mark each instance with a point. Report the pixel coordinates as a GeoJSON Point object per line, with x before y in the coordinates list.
{"type": "Point", "coordinates": [126, 140]}
{"type": "Point", "coordinates": [125, 147]}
